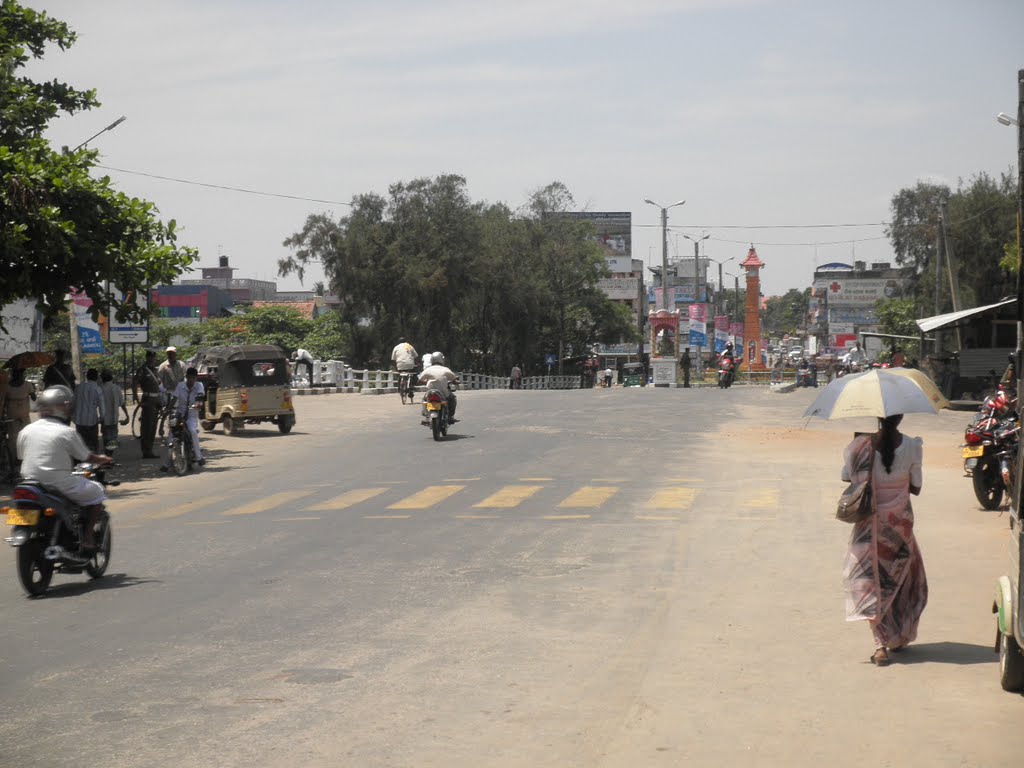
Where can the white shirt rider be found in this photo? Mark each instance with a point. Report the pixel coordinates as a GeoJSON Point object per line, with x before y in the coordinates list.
{"type": "Point", "coordinates": [186, 397]}
{"type": "Point", "coordinates": [404, 356]}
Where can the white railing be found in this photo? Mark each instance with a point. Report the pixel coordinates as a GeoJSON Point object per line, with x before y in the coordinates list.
{"type": "Point", "coordinates": [338, 377]}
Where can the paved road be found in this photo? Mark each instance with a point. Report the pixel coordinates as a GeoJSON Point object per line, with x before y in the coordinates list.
{"type": "Point", "coordinates": [595, 578]}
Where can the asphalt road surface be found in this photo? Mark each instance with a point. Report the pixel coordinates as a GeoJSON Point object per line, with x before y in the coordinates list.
{"type": "Point", "coordinates": [624, 577]}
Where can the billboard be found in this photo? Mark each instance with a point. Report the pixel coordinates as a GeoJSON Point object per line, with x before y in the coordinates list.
{"type": "Point", "coordinates": [90, 340]}
{"type": "Point", "coordinates": [613, 230]}
{"type": "Point", "coordinates": [857, 291]}
{"type": "Point", "coordinates": [620, 287]}
{"type": "Point", "coordinates": [123, 331]}
{"type": "Point", "coordinates": [721, 332]}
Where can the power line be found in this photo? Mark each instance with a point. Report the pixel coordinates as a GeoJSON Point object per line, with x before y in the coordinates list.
{"type": "Point", "coordinates": [224, 187]}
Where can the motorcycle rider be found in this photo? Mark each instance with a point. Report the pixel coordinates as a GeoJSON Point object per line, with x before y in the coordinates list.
{"type": "Point", "coordinates": [439, 376]}
{"type": "Point", "coordinates": [727, 360]}
{"type": "Point", "coordinates": [189, 396]}
{"type": "Point", "coordinates": [49, 448]}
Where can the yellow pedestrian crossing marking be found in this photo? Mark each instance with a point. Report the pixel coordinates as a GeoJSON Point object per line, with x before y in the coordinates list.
{"type": "Point", "coordinates": [764, 498]}
{"type": "Point", "coordinates": [184, 507]}
{"type": "Point", "coordinates": [509, 496]}
{"type": "Point", "coordinates": [428, 497]}
{"type": "Point", "coordinates": [589, 496]}
{"type": "Point", "coordinates": [347, 499]}
{"type": "Point", "coordinates": [268, 502]}
{"type": "Point", "coordinates": [673, 498]}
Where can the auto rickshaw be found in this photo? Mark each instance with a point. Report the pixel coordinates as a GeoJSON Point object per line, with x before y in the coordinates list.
{"type": "Point", "coordinates": [633, 375]}
{"type": "Point", "coordinates": [1009, 609]}
{"type": "Point", "coordinates": [246, 384]}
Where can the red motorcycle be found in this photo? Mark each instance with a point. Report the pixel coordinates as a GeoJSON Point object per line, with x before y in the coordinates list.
{"type": "Point", "coordinates": [726, 372]}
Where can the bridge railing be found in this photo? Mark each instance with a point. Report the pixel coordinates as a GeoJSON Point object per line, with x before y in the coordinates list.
{"type": "Point", "coordinates": [341, 378]}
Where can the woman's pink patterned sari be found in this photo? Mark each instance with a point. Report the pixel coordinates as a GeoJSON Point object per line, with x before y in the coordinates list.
{"type": "Point", "coordinates": [884, 574]}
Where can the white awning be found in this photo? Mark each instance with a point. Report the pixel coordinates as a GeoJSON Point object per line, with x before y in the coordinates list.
{"type": "Point", "coordinates": [927, 324]}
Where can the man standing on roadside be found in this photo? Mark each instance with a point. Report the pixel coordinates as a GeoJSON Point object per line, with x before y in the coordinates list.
{"type": "Point", "coordinates": [171, 371]}
{"type": "Point", "coordinates": [302, 357]}
{"type": "Point", "coordinates": [59, 373]}
{"type": "Point", "coordinates": [516, 378]}
{"type": "Point", "coordinates": [685, 364]}
{"type": "Point", "coordinates": [88, 410]}
{"type": "Point", "coordinates": [147, 377]}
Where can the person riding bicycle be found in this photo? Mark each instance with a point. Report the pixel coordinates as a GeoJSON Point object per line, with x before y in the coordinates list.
{"type": "Point", "coordinates": [188, 398]}
{"type": "Point", "coordinates": [50, 447]}
{"type": "Point", "coordinates": [438, 376]}
{"type": "Point", "coordinates": [405, 358]}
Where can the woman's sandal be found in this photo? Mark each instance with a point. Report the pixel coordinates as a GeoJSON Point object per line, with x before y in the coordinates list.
{"type": "Point", "coordinates": [880, 658]}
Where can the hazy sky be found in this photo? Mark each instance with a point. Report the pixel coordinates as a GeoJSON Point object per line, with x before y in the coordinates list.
{"type": "Point", "coordinates": [755, 113]}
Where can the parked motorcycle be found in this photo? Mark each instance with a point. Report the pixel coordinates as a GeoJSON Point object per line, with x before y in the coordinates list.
{"type": "Point", "coordinates": [47, 531]}
{"type": "Point", "coordinates": [726, 372]}
{"type": "Point", "coordinates": [435, 410]}
{"type": "Point", "coordinates": [990, 448]}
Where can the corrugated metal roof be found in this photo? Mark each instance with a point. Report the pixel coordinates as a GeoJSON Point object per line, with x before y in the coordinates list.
{"type": "Point", "coordinates": [927, 324]}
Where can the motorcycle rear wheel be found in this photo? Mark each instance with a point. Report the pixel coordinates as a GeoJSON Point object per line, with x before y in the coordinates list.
{"type": "Point", "coordinates": [101, 559]}
{"type": "Point", "coordinates": [988, 486]}
{"type": "Point", "coordinates": [179, 457]}
{"type": "Point", "coordinates": [435, 428]}
{"type": "Point", "coordinates": [34, 570]}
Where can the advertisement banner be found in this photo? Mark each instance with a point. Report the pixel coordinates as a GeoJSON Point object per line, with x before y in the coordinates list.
{"type": "Point", "coordinates": [736, 331]}
{"type": "Point", "coordinates": [612, 229]}
{"type": "Point", "coordinates": [90, 340]}
{"type": "Point", "coordinates": [721, 332]}
{"type": "Point", "coordinates": [698, 325]}
{"type": "Point", "coordinates": [619, 287]}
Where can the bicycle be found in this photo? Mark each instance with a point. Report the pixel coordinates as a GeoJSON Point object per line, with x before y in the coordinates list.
{"type": "Point", "coordinates": [407, 385]}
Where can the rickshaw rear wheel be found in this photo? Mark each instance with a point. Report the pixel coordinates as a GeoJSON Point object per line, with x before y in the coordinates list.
{"type": "Point", "coordinates": [230, 427]}
{"type": "Point", "coordinates": [285, 424]}
{"type": "Point", "coordinates": [1011, 664]}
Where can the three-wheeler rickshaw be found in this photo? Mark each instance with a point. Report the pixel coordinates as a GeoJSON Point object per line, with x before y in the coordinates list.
{"type": "Point", "coordinates": [633, 375]}
{"type": "Point", "coordinates": [246, 384]}
{"type": "Point", "coordinates": [1009, 610]}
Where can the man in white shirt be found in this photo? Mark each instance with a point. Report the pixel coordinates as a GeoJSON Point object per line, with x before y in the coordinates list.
{"type": "Point", "coordinates": [302, 357]}
{"type": "Point", "coordinates": [171, 371]}
{"type": "Point", "coordinates": [113, 400]}
{"type": "Point", "coordinates": [438, 375]}
{"type": "Point", "coordinates": [88, 410]}
{"type": "Point", "coordinates": [188, 398]}
{"type": "Point", "coordinates": [49, 448]}
{"type": "Point", "coordinates": [404, 356]}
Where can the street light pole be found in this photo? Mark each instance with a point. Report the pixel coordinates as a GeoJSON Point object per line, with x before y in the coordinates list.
{"type": "Point", "coordinates": [696, 294]}
{"type": "Point", "coordinates": [110, 127]}
{"type": "Point", "coordinates": [664, 247]}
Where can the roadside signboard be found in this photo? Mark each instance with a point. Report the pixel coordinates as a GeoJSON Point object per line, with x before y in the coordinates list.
{"type": "Point", "coordinates": [23, 328]}
{"type": "Point", "coordinates": [123, 331]}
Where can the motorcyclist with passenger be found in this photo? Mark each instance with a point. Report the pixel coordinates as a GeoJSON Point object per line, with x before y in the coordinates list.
{"type": "Point", "coordinates": [438, 376]}
{"type": "Point", "coordinates": [50, 447]}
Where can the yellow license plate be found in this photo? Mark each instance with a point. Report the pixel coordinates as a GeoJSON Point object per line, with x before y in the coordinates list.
{"type": "Point", "coordinates": [973, 453]}
{"type": "Point", "coordinates": [433, 406]}
{"type": "Point", "coordinates": [22, 516]}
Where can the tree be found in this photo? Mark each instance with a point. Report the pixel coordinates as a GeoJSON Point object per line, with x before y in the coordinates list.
{"type": "Point", "coordinates": [787, 313]}
{"type": "Point", "coordinates": [61, 226]}
{"type": "Point", "coordinates": [897, 316]}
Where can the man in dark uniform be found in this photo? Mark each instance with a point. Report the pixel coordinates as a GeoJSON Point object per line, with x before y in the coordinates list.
{"type": "Point", "coordinates": [685, 363]}
{"type": "Point", "coordinates": [59, 373]}
{"type": "Point", "coordinates": [146, 378]}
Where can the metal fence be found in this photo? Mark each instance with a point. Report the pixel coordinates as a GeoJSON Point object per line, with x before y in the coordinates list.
{"type": "Point", "coordinates": [336, 376]}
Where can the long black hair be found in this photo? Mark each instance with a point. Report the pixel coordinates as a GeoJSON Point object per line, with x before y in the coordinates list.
{"type": "Point", "coordinates": [889, 427]}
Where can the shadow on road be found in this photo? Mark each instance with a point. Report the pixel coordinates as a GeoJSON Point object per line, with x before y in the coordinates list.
{"type": "Point", "coordinates": [110, 581]}
{"type": "Point", "coordinates": [946, 653]}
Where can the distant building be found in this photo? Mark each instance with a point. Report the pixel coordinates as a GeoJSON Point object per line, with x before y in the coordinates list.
{"type": "Point", "coordinates": [843, 297]}
{"type": "Point", "coordinates": [189, 303]}
{"type": "Point", "coordinates": [241, 290]}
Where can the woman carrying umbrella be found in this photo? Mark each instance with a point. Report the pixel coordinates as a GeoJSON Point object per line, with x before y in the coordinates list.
{"type": "Point", "coordinates": [884, 573]}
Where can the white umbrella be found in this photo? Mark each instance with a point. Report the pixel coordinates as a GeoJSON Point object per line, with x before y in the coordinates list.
{"type": "Point", "coordinates": [879, 392]}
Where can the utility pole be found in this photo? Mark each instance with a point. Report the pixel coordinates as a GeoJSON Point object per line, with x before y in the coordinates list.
{"type": "Point", "coordinates": [954, 282]}
{"type": "Point", "coordinates": [940, 245]}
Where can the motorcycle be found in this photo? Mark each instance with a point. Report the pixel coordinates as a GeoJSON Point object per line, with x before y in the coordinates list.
{"type": "Point", "coordinates": [726, 372]}
{"type": "Point", "coordinates": [990, 450]}
{"type": "Point", "coordinates": [47, 530]}
{"type": "Point", "coordinates": [804, 378]}
{"type": "Point", "coordinates": [179, 439]}
{"type": "Point", "coordinates": [435, 410]}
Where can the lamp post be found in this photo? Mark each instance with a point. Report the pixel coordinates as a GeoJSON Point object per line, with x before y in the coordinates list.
{"type": "Point", "coordinates": [736, 297]}
{"type": "Point", "coordinates": [664, 247]}
{"type": "Point", "coordinates": [696, 292]}
{"type": "Point", "coordinates": [718, 301]}
{"type": "Point", "coordinates": [110, 127]}
{"type": "Point", "coordinates": [76, 347]}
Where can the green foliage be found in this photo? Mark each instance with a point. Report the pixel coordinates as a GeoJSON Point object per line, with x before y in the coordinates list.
{"type": "Point", "coordinates": [283, 326]}
{"type": "Point", "coordinates": [787, 313]}
{"type": "Point", "coordinates": [897, 316]}
{"type": "Point", "coordinates": [328, 339]}
{"type": "Point", "coordinates": [61, 226]}
{"type": "Point", "coordinates": [489, 287]}
{"type": "Point", "coordinates": [981, 235]}
{"type": "Point", "coordinates": [1010, 262]}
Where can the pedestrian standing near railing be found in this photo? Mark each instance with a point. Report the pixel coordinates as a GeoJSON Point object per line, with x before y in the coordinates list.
{"type": "Point", "coordinates": [516, 378]}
